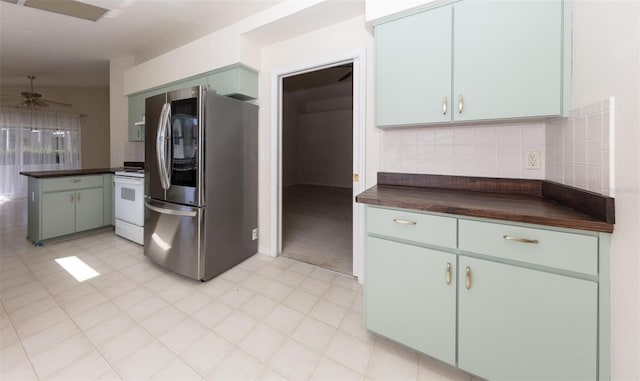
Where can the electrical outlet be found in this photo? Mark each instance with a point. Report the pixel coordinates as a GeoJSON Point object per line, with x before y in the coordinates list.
{"type": "Point", "coordinates": [532, 160]}
{"type": "Point", "coordinates": [254, 234]}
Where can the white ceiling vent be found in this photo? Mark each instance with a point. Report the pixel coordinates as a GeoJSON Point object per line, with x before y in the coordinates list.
{"type": "Point", "coordinates": [64, 7]}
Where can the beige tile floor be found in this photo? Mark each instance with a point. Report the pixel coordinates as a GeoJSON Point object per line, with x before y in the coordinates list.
{"type": "Point", "coordinates": [267, 318]}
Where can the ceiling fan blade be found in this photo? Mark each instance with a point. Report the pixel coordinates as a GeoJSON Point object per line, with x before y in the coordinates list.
{"type": "Point", "coordinates": [11, 96]}
{"type": "Point", "coordinates": [345, 76]}
{"type": "Point", "coordinates": [58, 103]}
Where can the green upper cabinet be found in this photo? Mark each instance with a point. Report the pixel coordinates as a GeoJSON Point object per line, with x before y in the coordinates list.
{"type": "Point", "coordinates": [508, 60]}
{"type": "Point", "coordinates": [237, 81]}
{"type": "Point", "coordinates": [472, 61]}
{"type": "Point", "coordinates": [136, 117]}
{"type": "Point", "coordinates": [413, 69]}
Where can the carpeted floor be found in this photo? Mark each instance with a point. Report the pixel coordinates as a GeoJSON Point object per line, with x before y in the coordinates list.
{"type": "Point", "coordinates": [317, 226]}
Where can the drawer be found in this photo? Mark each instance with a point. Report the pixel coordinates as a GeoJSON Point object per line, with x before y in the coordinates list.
{"type": "Point", "coordinates": [566, 251]}
{"type": "Point", "coordinates": [418, 227]}
{"type": "Point", "coordinates": [71, 182]}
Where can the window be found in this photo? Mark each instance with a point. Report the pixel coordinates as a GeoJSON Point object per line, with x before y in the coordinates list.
{"type": "Point", "coordinates": [35, 141]}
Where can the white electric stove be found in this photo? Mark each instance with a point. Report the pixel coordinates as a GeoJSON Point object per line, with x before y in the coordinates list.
{"type": "Point", "coordinates": [129, 204]}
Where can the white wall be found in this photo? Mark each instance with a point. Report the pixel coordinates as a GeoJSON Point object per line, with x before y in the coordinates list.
{"type": "Point", "coordinates": [379, 9]}
{"type": "Point", "coordinates": [340, 38]}
{"type": "Point", "coordinates": [317, 139]}
{"type": "Point", "coordinates": [119, 109]}
{"type": "Point", "coordinates": [606, 62]}
{"type": "Point", "coordinates": [326, 148]}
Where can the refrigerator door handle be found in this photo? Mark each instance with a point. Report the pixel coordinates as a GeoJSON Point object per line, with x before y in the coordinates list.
{"type": "Point", "coordinates": [161, 146]}
{"type": "Point", "coordinates": [173, 212]}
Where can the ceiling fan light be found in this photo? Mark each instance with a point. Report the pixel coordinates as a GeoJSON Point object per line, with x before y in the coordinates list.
{"type": "Point", "coordinates": [69, 8]}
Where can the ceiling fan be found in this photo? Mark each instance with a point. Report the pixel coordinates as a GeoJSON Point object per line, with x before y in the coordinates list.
{"type": "Point", "coordinates": [32, 99]}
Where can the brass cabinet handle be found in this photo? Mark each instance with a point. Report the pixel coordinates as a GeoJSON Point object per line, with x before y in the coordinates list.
{"type": "Point", "coordinates": [448, 273]}
{"type": "Point", "coordinates": [78, 197]}
{"type": "Point", "coordinates": [467, 278]}
{"type": "Point", "coordinates": [71, 198]}
{"type": "Point", "coordinates": [519, 239]}
{"type": "Point", "coordinates": [444, 106]}
{"type": "Point", "coordinates": [75, 180]}
{"type": "Point", "coordinates": [460, 104]}
{"type": "Point", "coordinates": [404, 222]}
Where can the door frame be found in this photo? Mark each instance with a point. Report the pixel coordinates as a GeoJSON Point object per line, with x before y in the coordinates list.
{"type": "Point", "coordinates": [358, 59]}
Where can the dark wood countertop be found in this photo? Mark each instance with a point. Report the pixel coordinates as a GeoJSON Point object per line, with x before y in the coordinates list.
{"type": "Point", "coordinates": [529, 206]}
{"type": "Point", "coordinates": [69, 172]}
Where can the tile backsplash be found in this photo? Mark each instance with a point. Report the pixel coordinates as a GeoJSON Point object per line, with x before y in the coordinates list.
{"type": "Point", "coordinates": [578, 148]}
{"type": "Point", "coordinates": [133, 151]}
{"type": "Point", "coordinates": [495, 150]}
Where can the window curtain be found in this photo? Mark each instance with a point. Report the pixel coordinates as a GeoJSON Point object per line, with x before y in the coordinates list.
{"type": "Point", "coordinates": [34, 140]}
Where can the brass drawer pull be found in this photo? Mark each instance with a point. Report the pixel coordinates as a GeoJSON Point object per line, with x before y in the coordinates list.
{"type": "Point", "coordinates": [448, 273]}
{"type": "Point", "coordinates": [467, 278]}
{"type": "Point", "coordinates": [519, 239]}
{"type": "Point", "coordinates": [75, 180]}
{"type": "Point", "coordinates": [404, 222]}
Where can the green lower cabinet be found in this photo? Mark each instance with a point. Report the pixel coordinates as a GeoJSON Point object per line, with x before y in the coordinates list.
{"type": "Point", "coordinates": [89, 209]}
{"type": "Point", "coordinates": [522, 324]}
{"type": "Point", "coordinates": [410, 296]}
{"type": "Point", "coordinates": [58, 214]}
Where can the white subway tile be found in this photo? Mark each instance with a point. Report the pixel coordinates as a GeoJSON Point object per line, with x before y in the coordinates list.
{"type": "Point", "coordinates": [408, 137]}
{"type": "Point", "coordinates": [533, 135]}
{"type": "Point", "coordinates": [426, 136]}
{"type": "Point", "coordinates": [580, 152]}
{"type": "Point", "coordinates": [605, 130]}
{"type": "Point", "coordinates": [508, 169]}
{"type": "Point", "coordinates": [569, 173]}
{"type": "Point", "coordinates": [594, 127]}
{"type": "Point", "coordinates": [568, 130]}
{"type": "Point", "coordinates": [508, 135]}
{"type": "Point", "coordinates": [425, 152]}
{"type": "Point", "coordinates": [580, 126]}
{"type": "Point", "coordinates": [444, 152]}
{"type": "Point", "coordinates": [594, 153]}
{"type": "Point", "coordinates": [485, 135]}
{"type": "Point", "coordinates": [463, 135]}
{"type": "Point", "coordinates": [592, 108]}
{"type": "Point", "coordinates": [594, 179]}
{"type": "Point", "coordinates": [580, 176]}
{"type": "Point", "coordinates": [444, 136]}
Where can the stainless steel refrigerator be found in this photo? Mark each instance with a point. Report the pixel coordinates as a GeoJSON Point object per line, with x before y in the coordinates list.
{"type": "Point", "coordinates": [201, 181]}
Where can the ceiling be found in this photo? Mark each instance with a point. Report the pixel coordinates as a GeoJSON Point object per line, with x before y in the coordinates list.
{"type": "Point", "coordinates": [67, 51]}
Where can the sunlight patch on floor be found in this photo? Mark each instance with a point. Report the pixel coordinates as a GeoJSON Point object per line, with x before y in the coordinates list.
{"type": "Point", "coordinates": [77, 268]}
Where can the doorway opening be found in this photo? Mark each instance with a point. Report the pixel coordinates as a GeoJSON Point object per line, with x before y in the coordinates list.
{"type": "Point", "coordinates": [317, 167]}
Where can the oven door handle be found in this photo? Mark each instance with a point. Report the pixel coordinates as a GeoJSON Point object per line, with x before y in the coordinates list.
{"type": "Point", "coordinates": [124, 180]}
{"type": "Point", "coordinates": [173, 212]}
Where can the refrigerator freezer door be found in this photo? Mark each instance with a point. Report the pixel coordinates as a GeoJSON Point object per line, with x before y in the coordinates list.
{"type": "Point", "coordinates": [153, 111]}
{"type": "Point", "coordinates": [173, 237]}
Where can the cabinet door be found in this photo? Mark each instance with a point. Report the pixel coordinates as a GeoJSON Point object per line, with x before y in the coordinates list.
{"type": "Point", "coordinates": [136, 111]}
{"type": "Point", "coordinates": [58, 214]}
{"type": "Point", "coordinates": [237, 82]}
{"type": "Point", "coordinates": [516, 323]}
{"type": "Point", "coordinates": [408, 298]}
{"type": "Point", "coordinates": [89, 208]}
{"type": "Point", "coordinates": [413, 69]}
{"type": "Point", "coordinates": [507, 59]}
